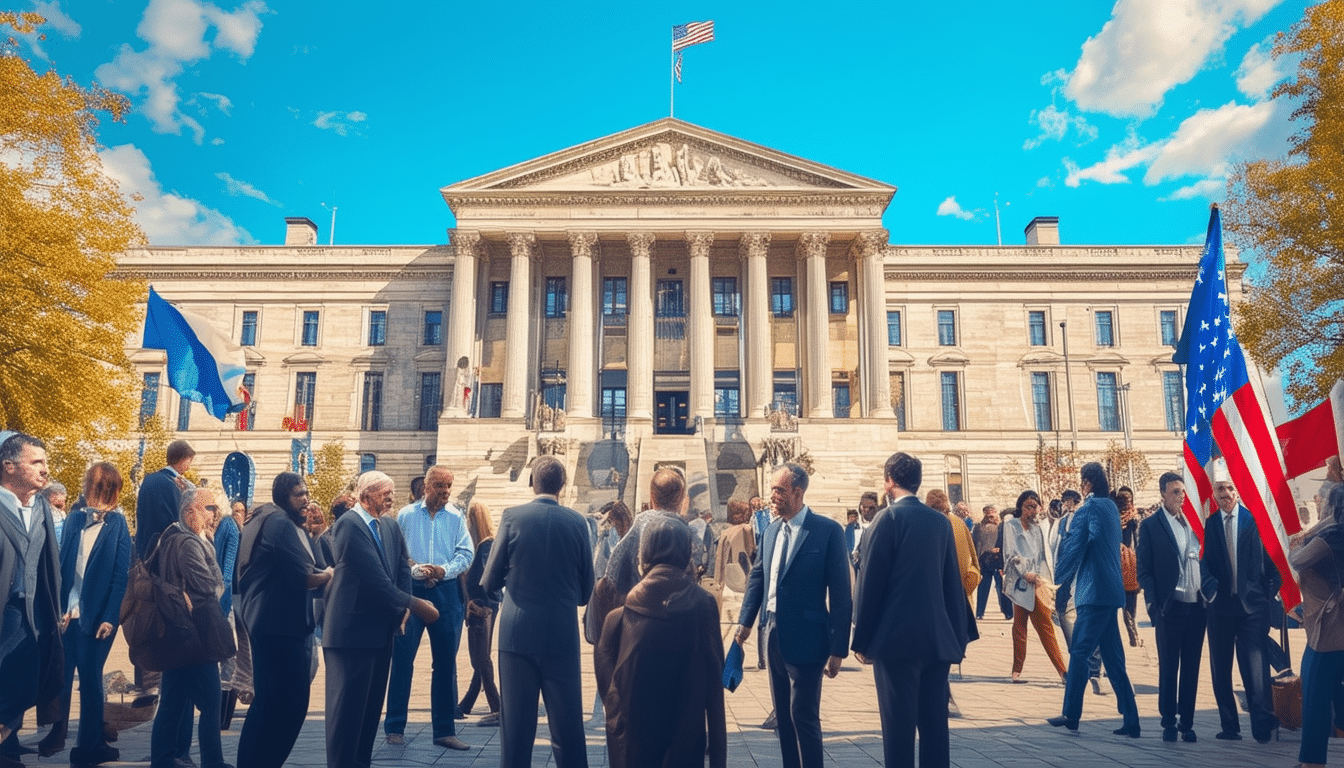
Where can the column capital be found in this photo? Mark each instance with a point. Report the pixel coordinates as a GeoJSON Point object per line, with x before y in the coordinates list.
{"type": "Point", "coordinates": [464, 241]}
{"type": "Point", "coordinates": [812, 244]}
{"type": "Point", "coordinates": [700, 242]}
{"type": "Point", "coordinates": [581, 243]}
{"type": "Point", "coordinates": [640, 243]}
{"type": "Point", "coordinates": [520, 243]}
{"type": "Point", "coordinates": [754, 243]}
{"type": "Point", "coordinates": [870, 243]}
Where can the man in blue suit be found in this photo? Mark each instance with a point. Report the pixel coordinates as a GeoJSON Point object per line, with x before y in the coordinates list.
{"type": "Point", "coordinates": [801, 567]}
{"type": "Point", "coordinates": [1089, 557]}
{"type": "Point", "coordinates": [910, 618]}
{"type": "Point", "coordinates": [1241, 583]}
{"type": "Point", "coordinates": [1168, 567]}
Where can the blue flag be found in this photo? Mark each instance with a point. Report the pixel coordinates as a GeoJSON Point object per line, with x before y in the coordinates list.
{"type": "Point", "coordinates": [204, 366]}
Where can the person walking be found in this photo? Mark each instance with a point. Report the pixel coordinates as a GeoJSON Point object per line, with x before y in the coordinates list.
{"type": "Point", "coordinates": [1318, 557]}
{"type": "Point", "coordinates": [481, 609]}
{"type": "Point", "coordinates": [986, 537]}
{"type": "Point", "coordinates": [1028, 583]}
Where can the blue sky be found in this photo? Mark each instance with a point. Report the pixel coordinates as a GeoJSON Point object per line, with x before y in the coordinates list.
{"type": "Point", "coordinates": [1122, 120]}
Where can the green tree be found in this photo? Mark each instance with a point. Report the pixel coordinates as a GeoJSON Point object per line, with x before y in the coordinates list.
{"type": "Point", "coordinates": [1291, 212]}
{"type": "Point", "coordinates": [64, 376]}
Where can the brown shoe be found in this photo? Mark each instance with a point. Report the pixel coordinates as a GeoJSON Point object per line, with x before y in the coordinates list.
{"type": "Point", "coordinates": [452, 742]}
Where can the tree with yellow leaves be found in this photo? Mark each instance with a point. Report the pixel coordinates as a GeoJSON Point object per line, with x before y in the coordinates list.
{"type": "Point", "coordinates": [1291, 212]}
{"type": "Point", "coordinates": [64, 376]}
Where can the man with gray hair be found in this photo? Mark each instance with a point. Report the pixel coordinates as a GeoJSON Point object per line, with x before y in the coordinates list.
{"type": "Point", "coordinates": [368, 602]}
{"type": "Point", "coordinates": [57, 496]}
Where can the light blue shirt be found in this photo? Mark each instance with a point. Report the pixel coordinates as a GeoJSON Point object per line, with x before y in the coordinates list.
{"type": "Point", "coordinates": [442, 540]}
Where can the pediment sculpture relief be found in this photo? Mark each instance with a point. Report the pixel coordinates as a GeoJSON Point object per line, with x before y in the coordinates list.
{"type": "Point", "coordinates": [662, 164]}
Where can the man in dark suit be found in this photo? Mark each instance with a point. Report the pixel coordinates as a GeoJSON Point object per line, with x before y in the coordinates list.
{"type": "Point", "coordinates": [156, 503]}
{"type": "Point", "coordinates": [32, 667]}
{"type": "Point", "coordinates": [543, 561]}
{"type": "Point", "coordinates": [802, 567]}
{"type": "Point", "coordinates": [910, 617]}
{"type": "Point", "coordinates": [1168, 567]}
{"type": "Point", "coordinates": [1242, 584]}
{"type": "Point", "coordinates": [368, 601]}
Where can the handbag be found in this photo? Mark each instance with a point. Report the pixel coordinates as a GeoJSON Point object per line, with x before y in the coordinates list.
{"type": "Point", "coordinates": [159, 625]}
{"type": "Point", "coordinates": [1129, 568]}
{"type": "Point", "coordinates": [604, 601]}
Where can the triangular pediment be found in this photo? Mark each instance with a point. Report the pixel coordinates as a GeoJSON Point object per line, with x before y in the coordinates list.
{"type": "Point", "coordinates": [666, 155]}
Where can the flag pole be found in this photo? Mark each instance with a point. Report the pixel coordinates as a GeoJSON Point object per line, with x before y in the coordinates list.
{"type": "Point", "coordinates": [671, 81]}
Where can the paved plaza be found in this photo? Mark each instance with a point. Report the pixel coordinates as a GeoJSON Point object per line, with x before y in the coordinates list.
{"type": "Point", "coordinates": [1002, 724]}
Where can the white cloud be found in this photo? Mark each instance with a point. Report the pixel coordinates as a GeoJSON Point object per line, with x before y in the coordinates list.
{"type": "Point", "coordinates": [238, 188]}
{"type": "Point", "coordinates": [1150, 46]}
{"type": "Point", "coordinates": [1120, 158]}
{"type": "Point", "coordinates": [222, 103]}
{"type": "Point", "coordinates": [1206, 188]}
{"type": "Point", "coordinates": [340, 122]}
{"type": "Point", "coordinates": [1055, 123]}
{"type": "Point", "coordinates": [216, 141]}
{"type": "Point", "coordinates": [1259, 72]}
{"type": "Point", "coordinates": [58, 19]}
{"type": "Point", "coordinates": [950, 207]}
{"type": "Point", "coordinates": [176, 31]}
{"type": "Point", "coordinates": [166, 217]}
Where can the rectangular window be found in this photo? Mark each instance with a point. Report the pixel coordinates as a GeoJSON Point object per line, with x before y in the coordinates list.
{"type": "Point", "coordinates": [781, 296]}
{"type": "Point", "coordinates": [1108, 402]}
{"type": "Point", "coordinates": [250, 384]}
{"type": "Point", "coordinates": [947, 328]}
{"type": "Point", "coordinates": [149, 397]}
{"type": "Point", "coordinates": [671, 299]}
{"type": "Point", "coordinates": [1173, 397]}
{"type": "Point", "coordinates": [840, 399]}
{"type": "Point", "coordinates": [1036, 328]}
{"type": "Point", "coordinates": [726, 301]}
{"type": "Point", "coordinates": [377, 327]}
{"type": "Point", "coordinates": [367, 462]}
{"type": "Point", "coordinates": [183, 414]}
{"type": "Point", "coordinates": [372, 419]}
{"type": "Point", "coordinates": [613, 403]}
{"type": "Point", "coordinates": [305, 393]}
{"type": "Point", "coordinates": [248, 338]}
{"type": "Point", "coordinates": [309, 338]}
{"type": "Point", "coordinates": [894, 329]}
{"type": "Point", "coordinates": [553, 387]}
{"type": "Point", "coordinates": [499, 298]}
{"type": "Point", "coordinates": [1105, 328]}
{"type": "Point", "coordinates": [785, 394]}
{"type": "Point", "coordinates": [951, 400]}
{"type": "Point", "coordinates": [433, 328]}
{"type": "Point", "coordinates": [431, 400]}
{"type": "Point", "coordinates": [726, 402]}
{"type": "Point", "coordinates": [557, 297]}
{"type": "Point", "coordinates": [898, 399]}
{"type": "Point", "coordinates": [1042, 404]}
{"type": "Point", "coordinates": [839, 298]}
{"type": "Point", "coordinates": [492, 401]}
{"type": "Point", "coordinates": [615, 296]}
{"type": "Point", "coordinates": [1167, 319]}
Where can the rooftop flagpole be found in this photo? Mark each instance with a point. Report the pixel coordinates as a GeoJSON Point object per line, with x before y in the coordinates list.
{"type": "Point", "coordinates": [672, 77]}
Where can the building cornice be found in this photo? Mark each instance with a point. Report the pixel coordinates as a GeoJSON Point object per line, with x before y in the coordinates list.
{"type": "Point", "coordinates": [153, 273]}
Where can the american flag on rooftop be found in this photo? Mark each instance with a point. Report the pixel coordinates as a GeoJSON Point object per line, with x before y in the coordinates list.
{"type": "Point", "coordinates": [694, 33]}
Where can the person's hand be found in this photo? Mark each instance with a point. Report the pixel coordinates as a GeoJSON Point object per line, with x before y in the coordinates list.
{"type": "Point", "coordinates": [439, 573]}
{"type": "Point", "coordinates": [404, 619]}
{"type": "Point", "coordinates": [862, 659]}
{"type": "Point", "coordinates": [832, 667]}
{"type": "Point", "coordinates": [743, 634]}
{"type": "Point", "coordinates": [104, 631]}
{"type": "Point", "coordinates": [1031, 578]}
{"type": "Point", "coordinates": [424, 610]}
{"type": "Point", "coordinates": [63, 623]}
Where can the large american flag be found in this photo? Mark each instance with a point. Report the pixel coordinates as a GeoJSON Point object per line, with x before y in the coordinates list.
{"type": "Point", "coordinates": [694, 33]}
{"type": "Point", "coordinates": [1224, 410]}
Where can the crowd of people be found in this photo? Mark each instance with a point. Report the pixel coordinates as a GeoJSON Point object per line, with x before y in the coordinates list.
{"type": "Point", "coordinates": [903, 584]}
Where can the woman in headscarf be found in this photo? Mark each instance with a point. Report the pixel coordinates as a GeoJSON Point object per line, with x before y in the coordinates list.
{"type": "Point", "coordinates": [1318, 556]}
{"type": "Point", "coordinates": [481, 608]}
{"type": "Point", "coordinates": [1027, 580]}
{"type": "Point", "coordinates": [659, 662]}
{"type": "Point", "coordinates": [276, 571]}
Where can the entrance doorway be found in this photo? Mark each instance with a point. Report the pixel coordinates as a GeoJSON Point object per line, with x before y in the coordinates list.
{"type": "Point", "coordinates": [671, 410]}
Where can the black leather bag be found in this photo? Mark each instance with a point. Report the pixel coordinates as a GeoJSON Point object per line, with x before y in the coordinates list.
{"type": "Point", "coordinates": [160, 628]}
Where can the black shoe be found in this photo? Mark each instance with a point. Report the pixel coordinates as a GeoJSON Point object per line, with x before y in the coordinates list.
{"type": "Point", "coordinates": [1132, 731]}
{"type": "Point", "coordinates": [104, 754]}
{"type": "Point", "coordinates": [1262, 739]}
{"type": "Point", "coordinates": [1169, 734]}
{"type": "Point", "coordinates": [50, 746]}
{"type": "Point", "coordinates": [1228, 736]}
{"type": "Point", "coordinates": [110, 734]}
{"type": "Point", "coordinates": [1189, 736]}
{"type": "Point", "coordinates": [771, 722]}
{"type": "Point", "coordinates": [1062, 721]}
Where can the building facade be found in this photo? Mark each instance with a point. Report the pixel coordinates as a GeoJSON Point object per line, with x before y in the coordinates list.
{"type": "Point", "coordinates": [670, 294]}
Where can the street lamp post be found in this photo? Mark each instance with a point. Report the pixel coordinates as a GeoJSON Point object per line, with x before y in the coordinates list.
{"type": "Point", "coordinates": [1068, 381]}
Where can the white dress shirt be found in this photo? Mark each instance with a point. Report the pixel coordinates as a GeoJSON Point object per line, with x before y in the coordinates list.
{"type": "Point", "coordinates": [779, 559]}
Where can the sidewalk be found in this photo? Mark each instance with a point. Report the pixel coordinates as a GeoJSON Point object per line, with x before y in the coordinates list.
{"type": "Point", "coordinates": [1002, 725]}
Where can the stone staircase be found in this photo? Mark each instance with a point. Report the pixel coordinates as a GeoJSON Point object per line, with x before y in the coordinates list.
{"type": "Point", "coordinates": [687, 452]}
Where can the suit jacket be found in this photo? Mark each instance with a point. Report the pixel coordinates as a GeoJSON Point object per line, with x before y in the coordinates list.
{"type": "Point", "coordinates": [1258, 581]}
{"type": "Point", "coordinates": [44, 601]}
{"type": "Point", "coordinates": [1159, 562]}
{"type": "Point", "coordinates": [105, 571]}
{"type": "Point", "coordinates": [155, 509]}
{"type": "Point", "coordinates": [1090, 551]}
{"type": "Point", "coordinates": [909, 603]}
{"type": "Point", "coordinates": [817, 570]}
{"type": "Point", "coordinates": [368, 594]}
{"type": "Point", "coordinates": [543, 561]}
{"type": "Point", "coordinates": [274, 562]}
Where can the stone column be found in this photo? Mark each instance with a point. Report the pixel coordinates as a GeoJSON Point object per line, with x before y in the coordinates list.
{"type": "Point", "coordinates": [579, 389]}
{"type": "Point", "coordinates": [816, 319]}
{"type": "Point", "coordinates": [517, 325]}
{"type": "Point", "coordinates": [875, 375]}
{"type": "Point", "coordinates": [461, 323]}
{"type": "Point", "coordinates": [760, 371]}
{"type": "Point", "coordinates": [701, 326]}
{"type": "Point", "coordinates": [639, 332]}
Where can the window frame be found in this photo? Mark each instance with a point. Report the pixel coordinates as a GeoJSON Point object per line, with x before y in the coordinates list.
{"type": "Point", "coordinates": [1044, 316]}
{"type": "Point", "coordinates": [425, 327]}
{"type": "Point", "coordinates": [615, 296]}
{"type": "Point", "coordinates": [376, 327]}
{"type": "Point", "coordinates": [498, 302]}
{"type": "Point", "coordinates": [957, 403]}
{"type": "Point", "coordinates": [1047, 378]}
{"type": "Point", "coordinates": [669, 298]}
{"type": "Point", "coordinates": [1173, 400]}
{"type": "Point", "coordinates": [724, 297]}
{"type": "Point", "coordinates": [556, 297]}
{"type": "Point", "coordinates": [838, 289]}
{"type": "Point", "coordinates": [1162, 326]}
{"type": "Point", "coordinates": [900, 328]}
{"type": "Point", "coordinates": [1110, 325]}
{"type": "Point", "coordinates": [434, 406]}
{"type": "Point", "coordinates": [311, 404]}
{"type": "Point", "coordinates": [245, 328]}
{"type": "Point", "coordinates": [1114, 409]}
{"type": "Point", "coordinates": [783, 304]}
{"type": "Point", "coordinates": [316, 316]}
{"type": "Point", "coordinates": [951, 314]}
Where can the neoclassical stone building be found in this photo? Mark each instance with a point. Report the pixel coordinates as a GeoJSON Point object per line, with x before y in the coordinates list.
{"type": "Point", "coordinates": [670, 294]}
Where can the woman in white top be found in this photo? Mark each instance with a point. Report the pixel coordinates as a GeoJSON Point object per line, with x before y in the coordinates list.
{"type": "Point", "coordinates": [1027, 582]}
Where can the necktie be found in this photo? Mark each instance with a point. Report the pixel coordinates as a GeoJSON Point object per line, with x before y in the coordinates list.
{"type": "Point", "coordinates": [1229, 530]}
{"type": "Point", "coordinates": [783, 557]}
{"type": "Point", "coordinates": [377, 538]}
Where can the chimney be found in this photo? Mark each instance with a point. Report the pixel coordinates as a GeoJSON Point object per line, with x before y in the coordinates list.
{"type": "Point", "coordinates": [1043, 230]}
{"type": "Point", "coordinates": [300, 230]}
